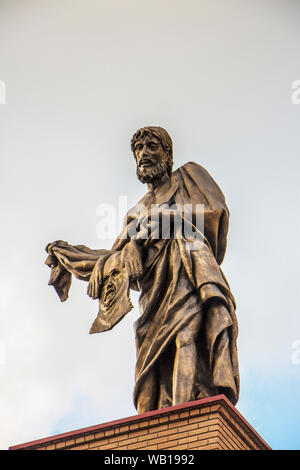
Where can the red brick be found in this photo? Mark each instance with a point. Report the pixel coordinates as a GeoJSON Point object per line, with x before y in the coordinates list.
{"type": "Point", "coordinates": [197, 419]}
{"type": "Point", "coordinates": [50, 447]}
{"type": "Point", "coordinates": [137, 446]}
{"type": "Point", "coordinates": [187, 427]}
{"type": "Point", "coordinates": [124, 429]}
{"type": "Point", "coordinates": [164, 419]}
{"type": "Point", "coordinates": [178, 447]}
{"type": "Point", "coordinates": [84, 446]}
{"type": "Point", "coordinates": [215, 407]}
{"type": "Point", "coordinates": [157, 429]}
{"type": "Point", "coordinates": [98, 443]}
{"type": "Point", "coordinates": [167, 432]}
{"type": "Point", "coordinates": [174, 417]}
{"type": "Point", "coordinates": [178, 435]}
{"type": "Point", "coordinates": [156, 440]}
{"type": "Point", "coordinates": [147, 436]}
{"type": "Point", "coordinates": [188, 439]}
{"type": "Point", "coordinates": [198, 431]}
{"type": "Point", "coordinates": [205, 424]}
{"type": "Point", "coordinates": [133, 426]}
{"type": "Point", "coordinates": [60, 445]}
{"type": "Point", "coordinates": [176, 423]}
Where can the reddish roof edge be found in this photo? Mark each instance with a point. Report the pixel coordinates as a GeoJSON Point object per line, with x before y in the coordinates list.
{"type": "Point", "coordinates": [138, 417]}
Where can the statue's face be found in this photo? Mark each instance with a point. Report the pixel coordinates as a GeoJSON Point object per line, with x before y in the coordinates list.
{"type": "Point", "coordinates": [114, 300]}
{"type": "Point", "coordinates": [151, 159]}
{"type": "Point", "coordinates": [113, 279]}
{"type": "Point", "coordinates": [149, 151]}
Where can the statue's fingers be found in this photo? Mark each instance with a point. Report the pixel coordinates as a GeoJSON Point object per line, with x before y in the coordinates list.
{"type": "Point", "coordinates": [135, 267]}
{"type": "Point", "coordinates": [133, 270]}
{"type": "Point", "coordinates": [93, 294]}
{"type": "Point", "coordinates": [96, 291]}
{"type": "Point", "coordinates": [136, 271]}
{"type": "Point", "coordinates": [89, 289]}
{"type": "Point", "coordinates": [130, 268]}
{"type": "Point", "coordinates": [138, 268]}
{"type": "Point", "coordinates": [123, 256]}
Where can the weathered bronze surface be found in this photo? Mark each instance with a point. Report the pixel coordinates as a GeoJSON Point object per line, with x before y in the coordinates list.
{"type": "Point", "coordinates": [186, 334]}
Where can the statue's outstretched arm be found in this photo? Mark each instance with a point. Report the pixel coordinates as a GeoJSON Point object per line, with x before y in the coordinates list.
{"type": "Point", "coordinates": [65, 259]}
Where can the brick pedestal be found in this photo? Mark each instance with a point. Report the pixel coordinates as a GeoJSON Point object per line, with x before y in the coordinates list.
{"type": "Point", "coordinates": [212, 423]}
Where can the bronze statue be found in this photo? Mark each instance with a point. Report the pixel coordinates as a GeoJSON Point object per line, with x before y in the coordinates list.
{"type": "Point", "coordinates": [186, 334]}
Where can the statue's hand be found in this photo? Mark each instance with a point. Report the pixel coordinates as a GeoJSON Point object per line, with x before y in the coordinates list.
{"type": "Point", "coordinates": [95, 281]}
{"type": "Point", "coordinates": [131, 259]}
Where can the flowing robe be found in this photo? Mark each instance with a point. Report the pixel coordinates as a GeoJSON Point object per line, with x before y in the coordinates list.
{"type": "Point", "coordinates": [177, 284]}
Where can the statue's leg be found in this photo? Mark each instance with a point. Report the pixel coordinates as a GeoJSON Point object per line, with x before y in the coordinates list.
{"type": "Point", "coordinates": [148, 393]}
{"type": "Point", "coordinates": [185, 364]}
{"type": "Point", "coordinates": [218, 342]}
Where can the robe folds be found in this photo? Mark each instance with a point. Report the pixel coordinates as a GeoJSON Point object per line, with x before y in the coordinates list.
{"type": "Point", "coordinates": [178, 283]}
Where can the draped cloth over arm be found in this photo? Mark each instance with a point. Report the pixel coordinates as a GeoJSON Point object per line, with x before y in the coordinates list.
{"type": "Point", "coordinates": [65, 260]}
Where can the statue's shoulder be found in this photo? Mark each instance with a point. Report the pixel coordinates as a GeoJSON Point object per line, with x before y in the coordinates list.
{"type": "Point", "coordinates": [192, 174]}
{"type": "Point", "coordinates": [194, 170]}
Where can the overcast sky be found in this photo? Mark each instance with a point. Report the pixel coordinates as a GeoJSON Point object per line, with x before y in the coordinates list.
{"type": "Point", "coordinates": [81, 76]}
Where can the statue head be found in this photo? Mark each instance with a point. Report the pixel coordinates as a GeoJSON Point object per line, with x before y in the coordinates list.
{"type": "Point", "coordinates": [114, 300]}
{"type": "Point", "coordinates": [153, 151]}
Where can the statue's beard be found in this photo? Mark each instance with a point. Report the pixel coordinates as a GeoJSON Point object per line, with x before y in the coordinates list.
{"type": "Point", "coordinates": [151, 173]}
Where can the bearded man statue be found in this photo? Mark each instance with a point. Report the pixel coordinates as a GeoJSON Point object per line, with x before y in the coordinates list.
{"type": "Point", "coordinates": [187, 330]}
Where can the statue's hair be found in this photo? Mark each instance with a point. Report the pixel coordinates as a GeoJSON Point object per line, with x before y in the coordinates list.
{"type": "Point", "coordinates": [163, 137]}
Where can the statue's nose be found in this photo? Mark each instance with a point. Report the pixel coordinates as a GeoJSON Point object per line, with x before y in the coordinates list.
{"type": "Point", "coordinates": [144, 152]}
